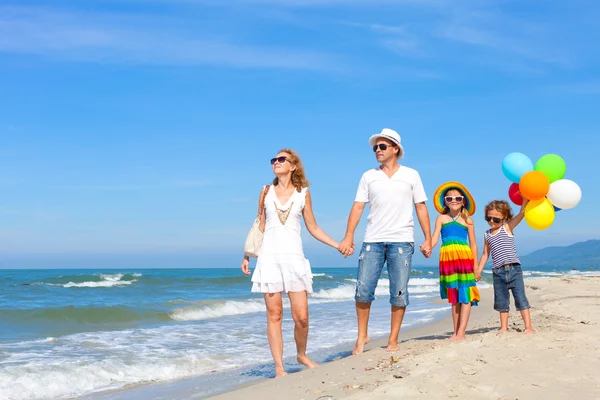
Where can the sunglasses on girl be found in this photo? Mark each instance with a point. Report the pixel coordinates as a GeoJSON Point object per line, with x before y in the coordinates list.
{"type": "Point", "coordinates": [495, 219]}
{"type": "Point", "coordinates": [280, 160]}
{"type": "Point", "coordinates": [450, 199]}
{"type": "Point", "coordinates": [381, 146]}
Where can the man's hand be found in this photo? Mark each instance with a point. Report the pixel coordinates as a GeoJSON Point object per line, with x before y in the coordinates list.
{"type": "Point", "coordinates": [346, 247]}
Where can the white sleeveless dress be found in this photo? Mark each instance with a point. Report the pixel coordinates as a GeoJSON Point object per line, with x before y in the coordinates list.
{"type": "Point", "coordinates": [281, 266]}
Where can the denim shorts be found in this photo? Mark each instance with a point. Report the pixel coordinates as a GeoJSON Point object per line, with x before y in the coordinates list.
{"type": "Point", "coordinates": [509, 277]}
{"type": "Point", "coordinates": [398, 256]}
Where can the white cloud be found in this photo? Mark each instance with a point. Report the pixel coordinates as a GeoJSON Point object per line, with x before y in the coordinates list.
{"type": "Point", "coordinates": [109, 38]}
{"type": "Point", "coordinates": [315, 3]}
{"type": "Point", "coordinates": [591, 87]}
{"type": "Point", "coordinates": [181, 184]}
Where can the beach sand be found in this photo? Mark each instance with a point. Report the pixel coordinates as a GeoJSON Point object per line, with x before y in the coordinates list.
{"type": "Point", "coordinates": [561, 360]}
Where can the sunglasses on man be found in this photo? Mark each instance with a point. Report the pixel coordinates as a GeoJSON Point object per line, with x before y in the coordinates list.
{"type": "Point", "coordinates": [495, 219]}
{"type": "Point", "coordinates": [381, 146]}
{"type": "Point", "coordinates": [280, 160]}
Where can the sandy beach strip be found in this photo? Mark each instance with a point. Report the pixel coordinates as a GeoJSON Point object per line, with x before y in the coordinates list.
{"type": "Point", "coordinates": [560, 361]}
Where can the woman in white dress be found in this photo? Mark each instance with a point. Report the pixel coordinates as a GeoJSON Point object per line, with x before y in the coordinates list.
{"type": "Point", "coordinates": [281, 266]}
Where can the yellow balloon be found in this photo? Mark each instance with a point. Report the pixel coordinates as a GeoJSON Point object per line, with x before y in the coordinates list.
{"type": "Point", "coordinates": [539, 214]}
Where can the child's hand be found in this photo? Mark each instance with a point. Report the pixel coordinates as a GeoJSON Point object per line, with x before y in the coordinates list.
{"type": "Point", "coordinates": [477, 276]}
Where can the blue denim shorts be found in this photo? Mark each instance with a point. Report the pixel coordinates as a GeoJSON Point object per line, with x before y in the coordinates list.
{"type": "Point", "coordinates": [509, 277]}
{"type": "Point", "coordinates": [398, 256]}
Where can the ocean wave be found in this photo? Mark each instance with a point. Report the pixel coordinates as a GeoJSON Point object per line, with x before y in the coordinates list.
{"type": "Point", "coordinates": [322, 275]}
{"type": "Point", "coordinates": [583, 273]}
{"type": "Point", "coordinates": [427, 310]}
{"type": "Point", "coordinates": [83, 315]}
{"type": "Point", "coordinates": [97, 284]}
{"type": "Point", "coordinates": [92, 281]}
{"type": "Point", "coordinates": [65, 380]}
{"type": "Point", "coordinates": [217, 310]}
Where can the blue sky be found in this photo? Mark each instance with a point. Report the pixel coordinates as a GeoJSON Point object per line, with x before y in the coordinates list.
{"type": "Point", "coordinates": [138, 133]}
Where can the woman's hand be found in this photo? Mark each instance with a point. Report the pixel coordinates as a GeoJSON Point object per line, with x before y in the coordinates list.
{"type": "Point", "coordinates": [246, 266]}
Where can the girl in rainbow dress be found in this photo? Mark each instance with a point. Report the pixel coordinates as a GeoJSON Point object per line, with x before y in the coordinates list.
{"type": "Point", "coordinates": [458, 254]}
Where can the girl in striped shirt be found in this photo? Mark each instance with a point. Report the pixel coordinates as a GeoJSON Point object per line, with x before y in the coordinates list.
{"type": "Point", "coordinates": [506, 266]}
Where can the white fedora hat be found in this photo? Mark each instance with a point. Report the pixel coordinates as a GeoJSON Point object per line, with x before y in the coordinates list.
{"type": "Point", "coordinates": [390, 135]}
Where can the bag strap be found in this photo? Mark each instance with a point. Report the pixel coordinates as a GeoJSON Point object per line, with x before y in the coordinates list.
{"type": "Point", "coordinates": [261, 207]}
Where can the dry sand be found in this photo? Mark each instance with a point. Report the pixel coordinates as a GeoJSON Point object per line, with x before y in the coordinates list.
{"type": "Point", "coordinates": [560, 361]}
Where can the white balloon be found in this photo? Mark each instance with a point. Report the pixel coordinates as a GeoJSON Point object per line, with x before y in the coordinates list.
{"type": "Point", "coordinates": [564, 194]}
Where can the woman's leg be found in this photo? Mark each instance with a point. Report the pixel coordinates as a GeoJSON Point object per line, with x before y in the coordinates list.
{"type": "Point", "coordinates": [299, 304]}
{"type": "Point", "coordinates": [274, 314]}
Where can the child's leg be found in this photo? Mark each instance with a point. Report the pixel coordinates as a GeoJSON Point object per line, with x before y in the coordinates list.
{"type": "Point", "coordinates": [527, 320]}
{"type": "Point", "coordinates": [501, 296]}
{"type": "Point", "coordinates": [503, 321]}
{"type": "Point", "coordinates": [455, 319]}
{"type": "Point", "coordinates": [465, 312]}
{"type": "Point", "coordinates": [521, 302]}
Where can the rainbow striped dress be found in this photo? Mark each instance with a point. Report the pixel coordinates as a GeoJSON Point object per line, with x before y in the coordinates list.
{"type": "Point", "coordinates": [457, 280]}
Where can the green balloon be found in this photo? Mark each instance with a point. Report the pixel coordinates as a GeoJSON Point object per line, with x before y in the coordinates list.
{"type": "Point", "coordinates": [553, 166]}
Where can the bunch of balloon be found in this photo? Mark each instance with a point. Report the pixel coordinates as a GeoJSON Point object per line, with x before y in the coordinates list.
{"type": "Point", "coordinates": [543, 184]}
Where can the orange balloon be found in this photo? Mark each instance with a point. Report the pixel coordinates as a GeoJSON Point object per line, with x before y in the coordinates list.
{"type": "Point", "coordinates": [534, 185]}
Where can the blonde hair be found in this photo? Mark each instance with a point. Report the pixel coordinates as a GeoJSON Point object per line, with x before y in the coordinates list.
{"type": "Point", "coordinates": [298, 175]}
{"type": "Point", "coordinates": [502, 207]}
{"type": "Point", "coordinates": [463, 211]}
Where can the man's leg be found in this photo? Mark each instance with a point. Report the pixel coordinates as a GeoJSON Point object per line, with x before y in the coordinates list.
{"type": "Point", "coordinates": [370, 264]}
{"type": "Point", "coordinates": [399, 264]}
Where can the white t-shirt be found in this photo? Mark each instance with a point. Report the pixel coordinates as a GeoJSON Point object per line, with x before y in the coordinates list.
{"type": "Point", "coordinates": [391, 203]}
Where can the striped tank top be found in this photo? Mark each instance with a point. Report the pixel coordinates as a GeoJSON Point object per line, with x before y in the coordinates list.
{"type": "Point", "coordinates": [502, 247]}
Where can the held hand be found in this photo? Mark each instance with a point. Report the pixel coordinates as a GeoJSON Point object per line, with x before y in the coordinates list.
{"type": "Point", "coordinates": [477, 276]}
{"type": "Point", "coordinates": [346, 247]}
{"type": "Point", "coordinates": [426, 248]}
{"type": "Point", "coordinates": [349, 252]}
{"type": "Point", "coordinates": [525, 200]}
{"type": "Point", "coordinates": [245, 266]}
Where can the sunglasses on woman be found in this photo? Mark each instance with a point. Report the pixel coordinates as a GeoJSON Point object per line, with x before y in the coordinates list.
{"type": "Point", "coordinates": [495, 219]}
{"type": "Point", "coordinates": [381, 146]}
{"type": "Point", "coordinates": [280, 160]}
{"type": "Point", "coordinates": [450, 199]}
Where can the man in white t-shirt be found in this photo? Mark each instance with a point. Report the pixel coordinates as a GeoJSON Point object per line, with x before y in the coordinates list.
{"type": "Point", "coordinates": [391, 191]}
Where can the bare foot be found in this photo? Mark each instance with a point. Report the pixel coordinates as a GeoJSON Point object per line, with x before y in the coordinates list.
{"type": "Point", "coordinates": [392, 347]}
{"type": "Point", "coordinates": [503, 329]}
{"type": "Point", "coordinates": [360, 345]}
{"type": "Point", "coordinates": [307, 362]}
{"type": "Point", "coordinates": [529, 331]}
{"type": "Point", "coordinates": [451, 338]}
{"type": "Point", "coordinates": [459, 337]}
{"type": "Point", "coordinates": [280, 373]}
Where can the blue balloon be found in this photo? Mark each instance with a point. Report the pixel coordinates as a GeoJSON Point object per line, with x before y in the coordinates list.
{"type": "Point", "coordinates": [515, 165]}
{"type": "Point", "coordinates": [556, 209]}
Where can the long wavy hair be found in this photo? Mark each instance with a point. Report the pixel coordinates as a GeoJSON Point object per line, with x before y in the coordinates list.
{"type": "Point", "coordinates": [298, 175]}
{"type": "Point", "coordinates": [502, 207]}
{"type": "Point", "coordinates": [463, 211]}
